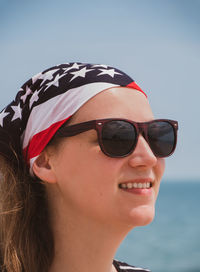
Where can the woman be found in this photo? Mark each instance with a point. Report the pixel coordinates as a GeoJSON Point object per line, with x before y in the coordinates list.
{"type": "Point", "coordinates": [81, 163]}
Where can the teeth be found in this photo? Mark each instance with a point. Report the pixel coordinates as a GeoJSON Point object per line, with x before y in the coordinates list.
{"type": "Point", "coordinates": [135, 185]}
{"type": "Point", "coordinates": [140, 185]}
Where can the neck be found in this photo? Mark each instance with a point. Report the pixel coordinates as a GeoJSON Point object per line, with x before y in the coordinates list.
{"type": "Point", "coordinates": [84, 245]}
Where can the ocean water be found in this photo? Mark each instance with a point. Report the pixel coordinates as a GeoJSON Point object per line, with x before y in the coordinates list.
{"type": "Point", "coordinates": [171, 243]}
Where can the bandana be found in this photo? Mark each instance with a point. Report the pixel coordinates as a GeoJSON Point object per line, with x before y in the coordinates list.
{"type": "Point", "coordinates": [46, 101]}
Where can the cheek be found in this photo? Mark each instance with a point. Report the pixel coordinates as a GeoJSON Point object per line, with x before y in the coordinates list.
{"type": "Point", "coordinates": [159, 171]}
{"type": "Point", "coordinates": [160, 168]}
{"type": "Point", "coordinates": [87, 179]}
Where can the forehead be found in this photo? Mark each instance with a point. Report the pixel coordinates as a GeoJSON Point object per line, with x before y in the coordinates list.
{"type": "Point", "coordinates": [117, 102]}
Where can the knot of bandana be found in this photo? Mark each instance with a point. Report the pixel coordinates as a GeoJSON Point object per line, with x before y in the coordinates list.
{"type": "Point", "coordinates": [46, 101]}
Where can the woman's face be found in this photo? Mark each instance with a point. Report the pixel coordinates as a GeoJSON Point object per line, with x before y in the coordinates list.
{"type": "Point", "coordinates": [88, 181]}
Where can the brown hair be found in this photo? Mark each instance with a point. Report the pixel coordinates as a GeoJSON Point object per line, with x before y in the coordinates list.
{"type": "Point", "coordinates": [26, 240]}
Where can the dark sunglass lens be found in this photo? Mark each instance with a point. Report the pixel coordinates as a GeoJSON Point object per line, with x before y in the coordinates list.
{"type": "Point", "coordinates": [161, 138]}
{"type": "Point", "coordinates": [118, 138]}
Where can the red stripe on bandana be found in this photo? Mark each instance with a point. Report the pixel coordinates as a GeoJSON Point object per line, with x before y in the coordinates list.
{"type": "Point", "coordinates": [40, 140]}
{"type": "Point", "coordinates": [133, 85]}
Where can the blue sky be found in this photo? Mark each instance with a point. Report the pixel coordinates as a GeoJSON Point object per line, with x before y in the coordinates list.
{"type": "Point", "coordinates": [157, 42]}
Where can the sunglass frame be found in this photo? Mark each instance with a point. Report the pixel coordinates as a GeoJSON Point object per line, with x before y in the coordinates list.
{"type": "Point", "coordinates": [140, 127]}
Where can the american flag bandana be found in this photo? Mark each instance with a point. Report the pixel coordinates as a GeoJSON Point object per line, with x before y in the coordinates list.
{"type": "Point", "coordinates": [46, 101]}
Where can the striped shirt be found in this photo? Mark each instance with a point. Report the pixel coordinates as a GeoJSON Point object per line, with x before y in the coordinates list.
{"type": "Point", "coordinates": [124, 267]}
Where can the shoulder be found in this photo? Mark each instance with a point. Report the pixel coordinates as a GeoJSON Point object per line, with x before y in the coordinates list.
{"type": "Point", "coordinates": [124, 267]}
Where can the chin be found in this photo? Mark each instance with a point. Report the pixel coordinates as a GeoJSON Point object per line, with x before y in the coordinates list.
{"type": "Point", "coordinates": [142, 216]}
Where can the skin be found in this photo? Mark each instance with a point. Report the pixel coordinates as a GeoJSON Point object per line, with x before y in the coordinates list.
{"type": "Point", "coordinates": [90, 214]}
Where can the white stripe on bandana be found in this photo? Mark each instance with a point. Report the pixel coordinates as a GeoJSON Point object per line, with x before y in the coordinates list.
{"type": "Point", "coordinates": [57, 109]}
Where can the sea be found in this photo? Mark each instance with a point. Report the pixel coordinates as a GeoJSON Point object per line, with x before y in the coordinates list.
{"type": "Point", "coordinates": [171, 243]}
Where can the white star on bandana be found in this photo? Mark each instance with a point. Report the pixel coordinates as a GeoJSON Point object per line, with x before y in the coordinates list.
{"type": "Point", "coordinates": [74, 66]}
{"type": "Point", "coordinates": [34, 98]}
{"type": "Point", "coordinates": [55, 82]}
{"type": "Point", "coordinates": [36, 77]}
{"type": "Point", "coordinates": [66, 63]}
{"type": "Point", "coordinates": [110, 72]}
{"type": "Point", "coordinates": [17, 112]}
{"type": "Point", "coordinates": [28, 91]}
{"type": "Point", "coordinates": [2, 115]}
{"type": "Point", "coordinates": [48, 76]}
{"type": "Point", "coordinates": [80, 73]}
{"type": "Point", "coordinates": [100, 65]}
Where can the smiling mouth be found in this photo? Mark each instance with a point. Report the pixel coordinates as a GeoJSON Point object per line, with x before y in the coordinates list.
{"type": "Point", "coordinates": [135, 185]}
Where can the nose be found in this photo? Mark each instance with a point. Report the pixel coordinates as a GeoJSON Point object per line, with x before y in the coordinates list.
{"type": "Point", "coordinates": [142, 156]}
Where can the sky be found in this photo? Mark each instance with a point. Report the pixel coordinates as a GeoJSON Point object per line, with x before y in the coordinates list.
{"type": "Point", "coordinates": [156, 42]}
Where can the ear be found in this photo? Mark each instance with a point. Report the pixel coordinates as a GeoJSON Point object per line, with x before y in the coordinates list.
{"type": "Point", "coordinates": [43, 169]}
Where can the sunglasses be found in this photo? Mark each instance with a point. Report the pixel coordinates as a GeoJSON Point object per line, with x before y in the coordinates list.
{"type": "Point", "coordinates": [118, 137]}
